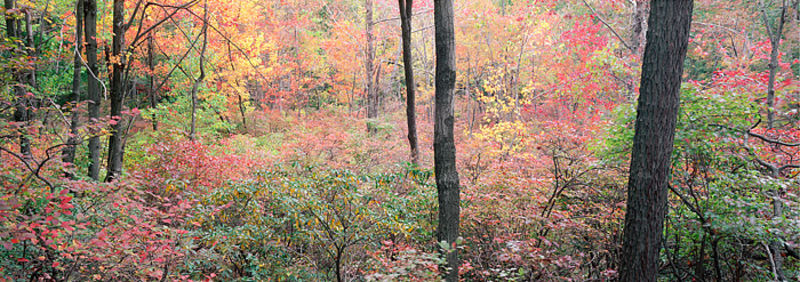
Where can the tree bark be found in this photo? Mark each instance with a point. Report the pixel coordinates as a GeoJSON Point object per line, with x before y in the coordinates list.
{"type": "Point", "coordinates": [444, 148]}
{"type": "Point", "coordinates": [775, 43]}
{"type": "Point", "coordinates": [199, 80]}
{"type": "Point", "coordinates": [117, 91]}
{"type": "Point", "coordinates": [68, 155]}
{"type": "Point", "coordinates": [151, 83]}
{"type": "Point", "coordinates": [21, 108]}
{"type": "Point", "coordinates": [93, 84]}
{"type": "Point", "coordinates": [372, 95]}
{"type": "Point", "coordinates": [11, 22]}
{"type": "Point", "coordinates": [406, 7]}
{"type": "Point", "coordinates": [657, 112]}
{"type": "Point", "coordinates": [638, 39]}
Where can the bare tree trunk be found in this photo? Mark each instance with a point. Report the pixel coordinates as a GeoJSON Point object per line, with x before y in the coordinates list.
{"type": "Point", "coordinates": [242, 111]}
{"type": "Point", "coordinates": [372, 95]}
{"type": "Point", "coordinates": [117, 91]}
{"type": "Point", "coordinates": [639, 25]}
{"type": "Point", "coordinates": [30, 80]}
{"type": "Point", "coordinates": [657, 113]}
{"type": "Point", "coordinates": [22, 102]}
{"type": "Point", "coordinates": [11, 22]}
{"type": "Point", "coordinates": [199, 80]}
{"type": "Point", "coordinates": [775, 42]}
{"type": "Point", "coordinates": [68, 155]}
{"type": "Point", "coordinates": [444, 148]}
{"type": "Point", "coordinates": [93, 84]}
{"type": "Point", "coordinates": [775, 35]}
{"type": "Point", "coordinates": [406, 7]}
{"type": "Point", "coordinates": [151, 83]}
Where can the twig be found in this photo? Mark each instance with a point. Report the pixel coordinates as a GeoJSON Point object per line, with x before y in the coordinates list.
{"type": "Point", "coordinates": [600, 17]}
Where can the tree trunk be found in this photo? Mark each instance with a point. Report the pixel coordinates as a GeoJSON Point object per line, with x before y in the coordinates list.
{"type": "Point", "coordinates": [93, 84]}
{"type": "Point", "coordinates": [11, 22]}
{"type": "Point", "coordinates": [444, 148]}
{"type": "Point", "coordinates": [657, 112]}
{"type": "Point", "coordinates": [151, 83]}
{"type": "Point", "coordinates": [638, 39]}
{"type": "Point", "coordinates": [372, 95]}
{"type": "Point", "coordinates": [117, 92]}
{"type": "Point", "coordinates": [775, 42]}
{"type": "Point", "coordinates": [68, 155]}
{"type": "Point", "coordinates": [406, 7]}
{"type": "Point", "coordinates": [199, 80]}
{"type": "Point", "coordinates": [30, 80]}
{"type": "Point", "coordinates": [21, 103]}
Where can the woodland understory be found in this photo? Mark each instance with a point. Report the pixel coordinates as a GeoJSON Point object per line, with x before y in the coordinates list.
{"type": "Point", "coordinates": [347, 140]}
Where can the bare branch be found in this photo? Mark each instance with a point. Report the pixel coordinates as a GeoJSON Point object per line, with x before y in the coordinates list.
{"type": "Point", "coordinates": [600, 17]}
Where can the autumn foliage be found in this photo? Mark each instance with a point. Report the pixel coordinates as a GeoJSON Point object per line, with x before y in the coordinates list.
{"type": "Point", "coordinates": [281, 181]}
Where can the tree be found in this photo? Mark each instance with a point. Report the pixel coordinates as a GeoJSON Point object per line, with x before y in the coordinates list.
{"type": "Point", "coordinates": [657, 112]}
{"type": "Point", "coordinates": [444, 149]}
{"type": "Point", "coordinates": [151, 84]}
{"type": "Point", "coordinates": [19, 109]}
{"type": "Point", "coordinates": [774, 34]}
{"type": "Point", "coordinates": [117, 91]}
{"type": "Point", "coordinates": [77, 65]}
{"type": "Point", "coordinates": [93, 83]}
{"type": "Point", "coordinates": [11, 21]}
{"type": "Point", "coordinates": [202, 75]}
{"type": "Point", "coordinates": [406, 7]}
{"type": "Point", "coordinates": [639, 25]}
{"type": "Point", "coordinates": [372, 94]}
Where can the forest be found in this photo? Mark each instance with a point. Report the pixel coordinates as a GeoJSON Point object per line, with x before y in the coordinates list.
{"type": "Point", "coordinates": [407, 140]}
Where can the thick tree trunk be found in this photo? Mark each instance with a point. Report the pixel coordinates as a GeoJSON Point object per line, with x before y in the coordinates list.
{"type": "Point", "coordinates": [117, 92]}
{"type": "Point", "coordinates": [68, 155]}
{"type": "Point", "coordinates": [657, 112]}
{"type": "Point", "coordinates": [406, 7]}
{"type": "Point", "coordinates": [444, 148]}
{"type": "Point", "coordinates": [93, 84]}
{"type": "Point", "coordinates": [372, 95]}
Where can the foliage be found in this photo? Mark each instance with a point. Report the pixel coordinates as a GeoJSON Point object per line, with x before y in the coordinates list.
{"type": "Point", "coordinates": [283, 183]}
{"type": "Point", "coordinates": [721, 216]}
{"type": "Point", "coordinates": [301, 223]}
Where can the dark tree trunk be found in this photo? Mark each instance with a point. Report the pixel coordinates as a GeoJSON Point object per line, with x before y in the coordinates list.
{"type": "Point", "coordinates": [775, 34]}
{"type": "Point", "coordinates": [657, 112]}
{"type": "Point", "coordinates": [11, 22]}
{"type": "Point", "coordinates": [199, 80]}
{"type": "Point", "coordinates": [21, 108]}
{"type": "Point", "coordinates": [68, 155]}
{"type": "Point", "coordinates": [22, 114]}
{"type": "Point", "coordinates": [93, 84]}
{"type": "Point", "coordinates": [406, 7]}
{"type": "Point", "coordinates": [151, 83]}
{"type": "Point", "coordinates": [444, 149]}
{"type": "Point", "coordinates": [372, 95]}
{"type": "Point", "coordinates": [117, 92]}
{"type": "Point", "coordinates": [775, 42]}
